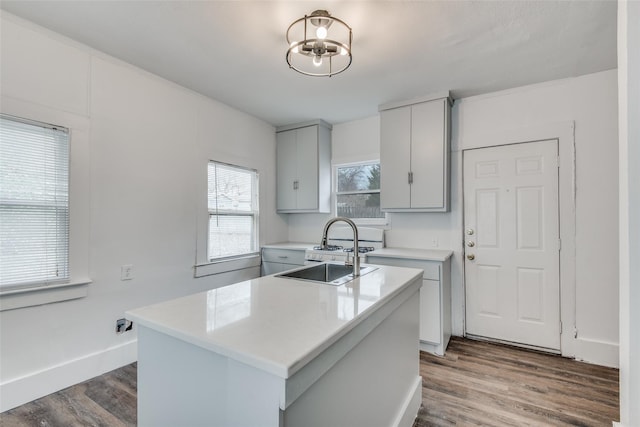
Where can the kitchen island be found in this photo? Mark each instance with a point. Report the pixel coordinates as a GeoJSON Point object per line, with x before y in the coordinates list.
{"type": "Point", "coordinates": [276, 351]}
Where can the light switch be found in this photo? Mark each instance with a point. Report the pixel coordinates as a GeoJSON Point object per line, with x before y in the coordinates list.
{"type": "Point", "coordinates": [126, 272]}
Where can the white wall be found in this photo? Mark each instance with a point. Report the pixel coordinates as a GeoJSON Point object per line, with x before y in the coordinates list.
{"type": "Point", "coordinates": [629, 94]}
{"type": "Point", "coordinates": [589, 101]}
{"type": "Point", "coordinates": [149, 144]}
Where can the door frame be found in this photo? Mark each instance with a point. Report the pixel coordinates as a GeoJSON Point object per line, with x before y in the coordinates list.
{"type": "Point", "coordinates": [564, 133]}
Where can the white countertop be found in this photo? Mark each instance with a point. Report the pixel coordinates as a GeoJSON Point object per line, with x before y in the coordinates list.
{"type": "Point", "coordinates": [421, 254]}
{"type": "Point", "coordinates": [291, 245]}
{"type": "Point", "coordinates": [275, 324]}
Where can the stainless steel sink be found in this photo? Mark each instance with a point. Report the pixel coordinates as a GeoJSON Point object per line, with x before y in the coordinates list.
{"type": "Point", "coordinates": [328, 273]}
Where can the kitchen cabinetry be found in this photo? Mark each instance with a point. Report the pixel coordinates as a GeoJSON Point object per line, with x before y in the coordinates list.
{"type": "Point", "coordinates": [435, 294]}
{"type": "Point", "coordinates": [275, 260]}
{"type": "Point", "coordinates": [415, 155]}
{"type": "Point", "coordinates": [303, 167]}
{"type": "Point", "coordinates": [277, 352]}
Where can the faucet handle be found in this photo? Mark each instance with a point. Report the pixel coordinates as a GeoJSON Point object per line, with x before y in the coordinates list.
{"type": "Point", "coordinates": [323, 243]}
{"type": "Point", "coordinates": [346, 261]}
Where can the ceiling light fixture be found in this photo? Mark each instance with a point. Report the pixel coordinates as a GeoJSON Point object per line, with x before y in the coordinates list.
{"type": "Point", "coordinates": [314, 51]}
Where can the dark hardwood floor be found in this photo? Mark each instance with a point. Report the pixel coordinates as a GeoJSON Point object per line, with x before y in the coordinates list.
{"type": "Point", "coordinates": [476, 383]}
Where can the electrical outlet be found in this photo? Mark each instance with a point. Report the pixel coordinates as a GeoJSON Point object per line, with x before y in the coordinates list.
{"type": "Point", "coordinates": [126, 272]}
{"type": "Point", "coordinates": [123, 325]}
{"type": "Point", "coordinates": [434, 242]}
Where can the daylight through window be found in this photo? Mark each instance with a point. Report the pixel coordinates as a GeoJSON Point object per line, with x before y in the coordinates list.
{"type": "Point", "coordinates": [233, 211]}
{"type": "Point", "coordinates": [34, 203]}
{"type": "Point", "coordinates": [358, 191]}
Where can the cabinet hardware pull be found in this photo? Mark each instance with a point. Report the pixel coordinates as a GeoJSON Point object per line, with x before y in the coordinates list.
{"type": "Point", "coordinates": [410, 177]}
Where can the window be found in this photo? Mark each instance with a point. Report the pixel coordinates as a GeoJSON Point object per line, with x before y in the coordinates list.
{"type": "Point", "coordinates": [233, 211]}
{"type": "Point", "coordinates": [358, 192]}
{"type": "Point", "coordinates": [34, 203]}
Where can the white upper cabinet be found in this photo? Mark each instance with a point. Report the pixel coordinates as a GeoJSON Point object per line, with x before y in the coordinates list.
{"type": "Point", "coordinates": [415, 155]}
{"type": "Point", "coordinates": [303, 168]}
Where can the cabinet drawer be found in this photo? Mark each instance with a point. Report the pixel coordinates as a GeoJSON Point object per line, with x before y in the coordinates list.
{"type": "Point", "coordinates": [286, 256]}
{"type": "Point", "coordinates": [431, 268]}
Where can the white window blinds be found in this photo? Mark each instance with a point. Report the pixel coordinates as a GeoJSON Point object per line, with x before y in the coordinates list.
{"type": "Point", "coordinates": [233, 211]}
{"type": "Point", "coordinates": [34, 203]}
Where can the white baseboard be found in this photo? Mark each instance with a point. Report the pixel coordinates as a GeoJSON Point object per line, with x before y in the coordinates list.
{"type": "Point", "coordinates": [597, 352]}
{"type": "Point", "coordinates": [19, 391]}
{"type": "Point", "coordinates": [410, 406]}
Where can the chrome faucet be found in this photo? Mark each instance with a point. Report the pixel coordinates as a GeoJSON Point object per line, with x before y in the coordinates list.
{"type": "Point", "coordinates": [356, 249]}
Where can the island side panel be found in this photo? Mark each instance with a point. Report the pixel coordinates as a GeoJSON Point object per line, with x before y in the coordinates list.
{"type": "Point", "coordinates": [181, 384]}
{"type": "Point", "coordinates": [376, 384]}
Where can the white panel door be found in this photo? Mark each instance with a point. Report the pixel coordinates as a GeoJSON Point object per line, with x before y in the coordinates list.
{"type": "Point", "coordinates": [307, 166]}
{"type": "Point", "coordinates": [286, 159]}
{"type": "Point", "coordinates": [512, 263]}
{"type": "Point", "coordinates": [395, 155]}
{"type": "Point", "coordinates": [427, 154]}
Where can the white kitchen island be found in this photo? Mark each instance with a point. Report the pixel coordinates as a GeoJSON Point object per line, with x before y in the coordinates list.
{"type": "Point", "coordinates": [283, 352]}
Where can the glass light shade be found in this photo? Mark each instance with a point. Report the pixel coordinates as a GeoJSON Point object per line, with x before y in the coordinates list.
{"type": "Point", "coordinates": [321, 32]}
{"type": "Point", "coordinates": [317, 60]}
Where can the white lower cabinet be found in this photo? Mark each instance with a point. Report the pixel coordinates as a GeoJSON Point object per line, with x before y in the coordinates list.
{"type": "Point", "coordinates": [435, 294]}
{"type": "Point", "coordinates": [277, 260]}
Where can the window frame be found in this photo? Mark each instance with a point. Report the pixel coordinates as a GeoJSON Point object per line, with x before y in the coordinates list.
{"type": "Point", "coordinates": [382, 221]}
{"type": "Point", "coordinates": [46, 204]}
{"type": "Point", "coordinates": [77, 286]}
{"type": "Point", "coordinates": [254, 213]}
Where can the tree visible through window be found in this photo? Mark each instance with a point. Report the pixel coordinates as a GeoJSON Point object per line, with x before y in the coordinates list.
{"type": "Point", "coordinates": [233, 211]}
{"type": "Point", "coordinates": [358, 191]}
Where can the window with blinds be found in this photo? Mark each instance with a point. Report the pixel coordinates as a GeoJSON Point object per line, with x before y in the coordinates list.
{"type": "Point", "coordinates": [34, 203]}
{"type": "Point", "coordinates": [233, 211]}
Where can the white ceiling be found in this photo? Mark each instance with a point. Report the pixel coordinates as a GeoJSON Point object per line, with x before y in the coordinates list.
{"type": "Point", "coordinates": [234, 51]}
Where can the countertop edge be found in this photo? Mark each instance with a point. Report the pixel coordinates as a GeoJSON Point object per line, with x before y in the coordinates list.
{"type": "Point", "coordinates": [440, 255]}
{"type": "Point", "coordinates": [289, 245]}
{"type": "Point", "coordinates": [278, 369]}
{"type": "Point", "coordinates": [305, 359]}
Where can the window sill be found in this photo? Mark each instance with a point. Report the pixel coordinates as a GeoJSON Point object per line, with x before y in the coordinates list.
{"type": "Point", "coordinates": [223, 266]}
{"type": "Point", "coordinates": [28, 297]}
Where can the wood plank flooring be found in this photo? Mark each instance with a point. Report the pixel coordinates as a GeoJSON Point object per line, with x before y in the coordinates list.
{"type": "Point", "coordinates": [479, 383]}
{"type": "Point", "coordinates": [476, 383]}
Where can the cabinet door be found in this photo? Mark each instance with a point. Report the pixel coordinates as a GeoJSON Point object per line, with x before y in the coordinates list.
{"type": "Point", "coordinates": [307, 165]}
{"type": "Point", "coordinates": [286, 170]}
{"type": "Point", "coordinates": [428, 154]}
{"type": "Point", "coordinates": [395, 142]}
{"type": "Point", "coordinates": [430, 328]}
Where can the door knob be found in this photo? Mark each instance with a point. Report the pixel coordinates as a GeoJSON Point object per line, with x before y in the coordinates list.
{"type": "Point", "coordinates": [471, 257]}
{"type": "Point", "coordinates": [470, 244]}
{"type": "Point", "coordinates": [470, 231]}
